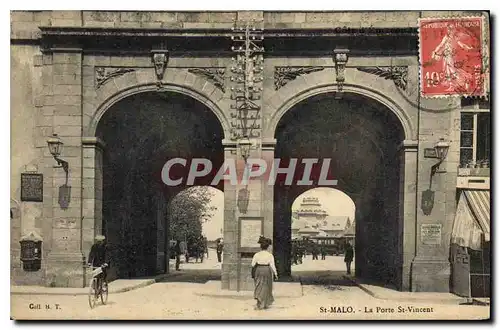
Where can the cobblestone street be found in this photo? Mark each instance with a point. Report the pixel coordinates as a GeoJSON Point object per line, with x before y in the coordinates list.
{"type": "Point", "coordinates": [328, 298]}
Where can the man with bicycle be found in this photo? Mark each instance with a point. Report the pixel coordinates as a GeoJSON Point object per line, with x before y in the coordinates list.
{"type": "Point", "coordinates": [97, 258]}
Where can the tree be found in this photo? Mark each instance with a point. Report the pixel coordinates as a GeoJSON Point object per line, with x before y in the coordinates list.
{"type": "Point", "coordinates": [188, 210]}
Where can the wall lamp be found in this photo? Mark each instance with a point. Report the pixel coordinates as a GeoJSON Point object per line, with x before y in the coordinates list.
{"type": "Point", "coordinates": [441, 151]}
{"type": "Point", "coordinates": [55, 147]}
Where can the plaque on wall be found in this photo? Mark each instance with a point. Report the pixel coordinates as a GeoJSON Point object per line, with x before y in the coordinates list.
{"type": "Point", "coordinates": [31, 187]}
{"type": "Point", "coordinates": [250, 231]}
{"type": "Point", "coordinates": [430, 234]}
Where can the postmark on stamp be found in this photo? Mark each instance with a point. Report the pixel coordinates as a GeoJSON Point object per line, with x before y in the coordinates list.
{"type": "Point", "coordinates": [451, 57]}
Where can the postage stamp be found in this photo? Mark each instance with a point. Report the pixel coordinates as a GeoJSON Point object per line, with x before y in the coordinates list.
{"type": "Point", "coordinates": [451, 56]}
{"type": "Point", "coordinates": [240, 165]}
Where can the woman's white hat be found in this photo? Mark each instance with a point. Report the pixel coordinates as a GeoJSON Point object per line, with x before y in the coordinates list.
{"type": "Point", "coordinates": [100, 238]}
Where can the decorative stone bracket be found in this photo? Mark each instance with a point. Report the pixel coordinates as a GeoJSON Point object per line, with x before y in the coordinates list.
{"type": "Point", "coordinates": [340, 58]}
{"type": "Point", "coordinates": [398, 74]}
{"type": "Point", "coordinates": [160, 60]}
{"type": "Point", "coordinates": [215, 75]}
{"type": "Point", "coordinates": [284, 74]}
{"type": "Point", "coordinates": [103, 75]}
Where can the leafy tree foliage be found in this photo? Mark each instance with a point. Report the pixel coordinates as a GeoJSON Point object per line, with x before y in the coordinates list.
{"type": "Point", "coordinates": [188, 210]}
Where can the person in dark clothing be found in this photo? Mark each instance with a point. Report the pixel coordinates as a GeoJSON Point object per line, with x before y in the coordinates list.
{"type": "Point", "coordinates": [300, 253]}
{"type": "Point", "coordinates": [322, 250]}
{"type": "Point", "coordinates": [97, 257]}
{"type": "Point", "coordinates": [220, 248]}
{"type": "Point", "coordinates": [348, 257]}
{"type": "Point", "coordinates": [177, 254]}
{"type": "Point", "coordinates": [294, 253]}
{"type": "Point", "coordinates": [315, 252]}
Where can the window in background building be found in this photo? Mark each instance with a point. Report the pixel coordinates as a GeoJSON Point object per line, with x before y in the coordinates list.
{"type": "Point", "coordinates": [475, 134]}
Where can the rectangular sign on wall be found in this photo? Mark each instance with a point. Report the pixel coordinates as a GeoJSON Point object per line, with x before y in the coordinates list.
{"type": "Point", "coordinates": [31, 187]}
{"type": "Point", "coordinates": [250, 231]}
{"type": "Point", "coordinates": [430, 234]}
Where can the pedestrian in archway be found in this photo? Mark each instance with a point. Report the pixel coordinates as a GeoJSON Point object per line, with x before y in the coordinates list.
{"type": "Point", "coordinates": [220, 247]}
{"type": "Point", "coordinates": [348, 257]}
{"type": "Point", "coordinates": [263, 272]}
{"type": "Point", "coordinates": [178, 254]}
{"type": "Point", "coordinates": [315, 251]}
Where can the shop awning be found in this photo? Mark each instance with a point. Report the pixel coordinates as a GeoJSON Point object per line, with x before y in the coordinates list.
{"type": "Point", "coordinates": [472, 219]}
{"type": "Point", "coordinates": [479, 202]}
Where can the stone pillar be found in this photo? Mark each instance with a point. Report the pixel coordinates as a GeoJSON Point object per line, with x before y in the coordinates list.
{"type": "Point", "coordinates": [92, 225]}
{"type": "Point", "coordinates": [236, 267]}
{"type": "Point", "coordinates": [65, 264]}
{"type": "Point", "coordinates": [407, 210]}
{"type": "Point", "coordinates": [431, 266]}
{"type": "Point", "coordinates": [229, 277]}
{"type": "Point", "coordinates": [162, 244]}
{"type": "Point", "coordinates": [268, 147]}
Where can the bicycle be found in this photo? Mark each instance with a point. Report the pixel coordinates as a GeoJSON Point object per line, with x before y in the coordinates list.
{"type": "Point", "coordinates": [98, 286]}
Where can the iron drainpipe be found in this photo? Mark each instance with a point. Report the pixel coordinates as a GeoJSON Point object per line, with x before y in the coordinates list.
{"type": "Point", "coordinates": [84, 268]}
{"type": "Point", "coordinates": [410, 284]}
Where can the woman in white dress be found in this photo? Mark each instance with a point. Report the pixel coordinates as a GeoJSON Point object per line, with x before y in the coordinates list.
{"type": "Point", "coordinates": [263, 270]}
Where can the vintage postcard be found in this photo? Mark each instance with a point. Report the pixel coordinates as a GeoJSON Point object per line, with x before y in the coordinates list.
{"type": "Point", "coordinates": [278, 165]}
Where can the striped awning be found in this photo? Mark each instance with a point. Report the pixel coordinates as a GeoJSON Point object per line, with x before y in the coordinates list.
{"type": "Point", "coordinates": [479, 202]}
{"type": "Point", "coordinates": [472, 219]}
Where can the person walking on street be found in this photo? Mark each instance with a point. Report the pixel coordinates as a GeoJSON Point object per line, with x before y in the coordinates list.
{"type": "Point", "coordinates": [323, 252]}
{"type": "Point", "coordinates": [178, 254]}
{"type": "Point", "coordinates": [315, 252]}
{"type": "Point", "coordinates": [220, 247]}
{"type": "Point", "coordinates": [301, 253]}
{"type": "Point", "coordinates": [263, 272]}
{"type": "Point", "coordinates": [294, 253]}
{"type": "Point", "coordinates": [348, 257]}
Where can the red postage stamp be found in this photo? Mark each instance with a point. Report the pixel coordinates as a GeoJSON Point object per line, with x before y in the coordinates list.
{"type": "Point", "coordinates": [451, 57]}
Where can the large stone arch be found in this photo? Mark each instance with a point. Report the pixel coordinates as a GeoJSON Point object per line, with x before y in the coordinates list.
{"type": "Point", "coordinates": [385, 94]}
{"type": "Point", "coordinates": [135, 82]}
{"type": "Point", "coordinates": [323, 82]}
{"type": "Point", "coordinates": [97, 101]}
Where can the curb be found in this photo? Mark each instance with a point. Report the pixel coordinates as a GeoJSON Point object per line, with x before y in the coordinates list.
{"type": "Point", "coordinates": [457, 301]}
{"type": "Point", "coordinates": [83, 291]}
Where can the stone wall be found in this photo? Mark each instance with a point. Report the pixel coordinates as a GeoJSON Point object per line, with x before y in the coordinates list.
{"type": "Point", "coordinates": [29, 124]}
{"type": "Point", "coordinates": [24, 24]}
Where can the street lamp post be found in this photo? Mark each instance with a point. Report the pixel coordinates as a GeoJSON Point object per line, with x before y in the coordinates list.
{"type": "Point", "coordinates": [55, 147]}
{"type": "Point", "coordinates": [441, 148]}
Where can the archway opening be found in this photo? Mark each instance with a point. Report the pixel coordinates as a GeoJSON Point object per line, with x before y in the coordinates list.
{"type": "Point", "coordinates": [195, 217]}
{"type": "Point", "coordinates": [142, 133]}
{"type": "Point", "coordinates": [323, 223]}
{"type": "Point", "coordinates": [361, 138]}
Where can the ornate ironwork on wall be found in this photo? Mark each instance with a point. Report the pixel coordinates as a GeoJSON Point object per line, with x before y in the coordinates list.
{"type": "Point", "coordinates": [246, 80]}
{"type": "Point", "coordinates": [284, 74]}
{"type": "Point", "coordinates": [103, 75]}
{"type": "Point", "coordinates": [398, 74]}
{"type": "Point", "coordinates": [214, 75]}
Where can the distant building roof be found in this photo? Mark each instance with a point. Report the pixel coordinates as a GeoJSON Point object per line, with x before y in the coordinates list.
{"type": "Point", "coordinates": [351, 231]}
{"type": "Point", "coordinates": [308, 230]}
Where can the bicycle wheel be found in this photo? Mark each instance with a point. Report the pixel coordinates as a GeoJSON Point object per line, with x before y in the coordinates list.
{"type": "Point", "coordinates": [104, 292]}
{"type": "Point", "coordinates": [92, 293]}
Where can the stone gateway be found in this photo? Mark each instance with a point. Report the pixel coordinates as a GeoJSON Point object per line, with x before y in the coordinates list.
{"type": "Point", "coordinates": [125, 92]}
